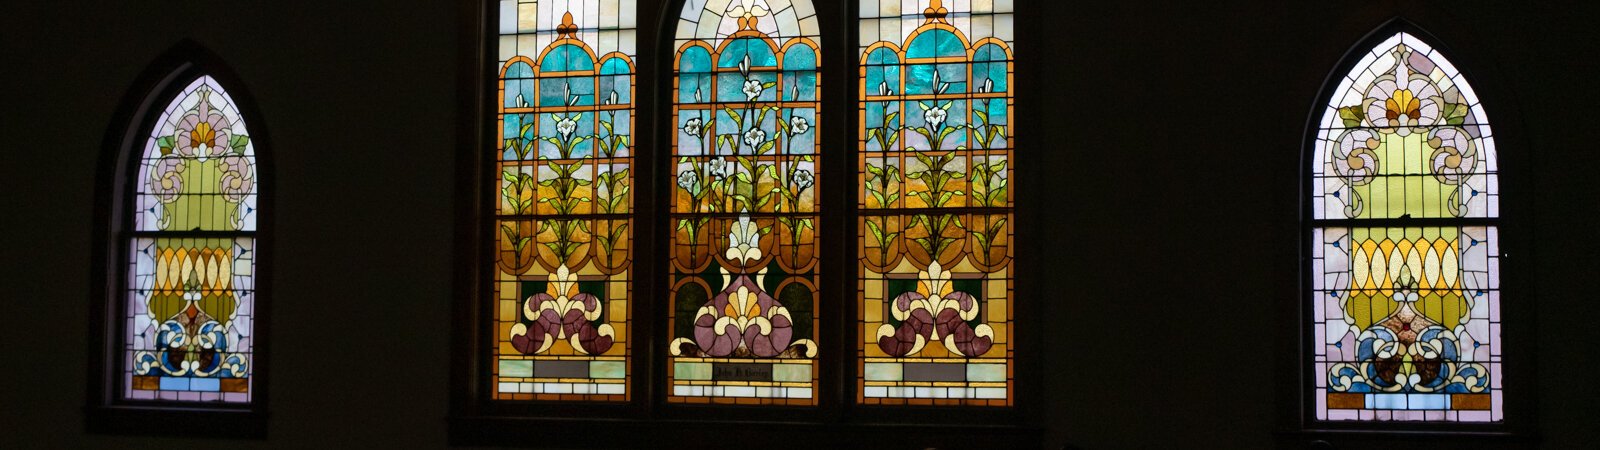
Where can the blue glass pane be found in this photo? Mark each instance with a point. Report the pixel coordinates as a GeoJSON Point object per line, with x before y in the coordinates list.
{"type": "Point", "coordinates": [799, 57]}
{"type": "Point", "coordinates": [882, 55]}
{"type": "Point", "coordinates": [933, 43]}
{"type": "Point", "coordinates": [994, 72]}
{"type": "Point", "coordinates": [621, 85]}
{"type": "Point", "coordinates": [800, 86]}
{"type": "Point", "coordinates": [690, 84]}
{"type": "Point", "coordinates": [614, 66]}
{"type": "Point", "coordinates": [694, 60]}
{"type": "Point", "coordinates": [952, 77]}
{"type": "Point", "coordinates": [758, 50]}
{"type": "Point", "coordinates": [566, 58]}
{"type": "Point", "coordinates": [989, 52]}
{"type": "Point", "coordinates": [519, 70]}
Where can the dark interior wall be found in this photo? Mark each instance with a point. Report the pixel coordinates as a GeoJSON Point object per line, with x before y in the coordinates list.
{"type": "Point", "coordinates": [1161, 149]}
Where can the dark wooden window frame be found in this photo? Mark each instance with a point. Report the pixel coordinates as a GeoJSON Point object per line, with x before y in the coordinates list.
{"type": "Point", "coordinates": [1299, 426]}
{"type": "Point", "coordinates": [648, 420]}
{"type": "Point", "coordinates": [116, 177]}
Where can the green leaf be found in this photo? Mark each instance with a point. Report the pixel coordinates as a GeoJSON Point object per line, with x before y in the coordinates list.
{"type": "Point", "coordinates": [997, 197]}
{"type": "Point", "coordinates": [166, 144]}
{"type": "Point", "coordinates": [1455, 113]}
{"type": "Point", "coordinates": [875, 170]}
{"type": "Point", "coordinates": [616, 233]}
{"type": "Point", "coordinates": [237, 143]}
{"type": "Point", "coordinates": [765, 147]}
{"type": "Point", "coordinates": [890, 118]}
{"type": "Point", "coordinates": [877, 232]}
{"type": "Point", "coordinates": [981, 115]}
{"type": "Point", "coordinates": [1352, 115]}
{"type": "Point", "coordinates": [734, 115]}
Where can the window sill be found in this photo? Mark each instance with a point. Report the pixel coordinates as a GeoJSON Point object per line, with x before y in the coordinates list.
{"type": "Point", "coordinates": [197, 422]}
{"type": "Point", "coordinates": [678, 433]}
{"type": "Point", "coordinates": [1333, 438]}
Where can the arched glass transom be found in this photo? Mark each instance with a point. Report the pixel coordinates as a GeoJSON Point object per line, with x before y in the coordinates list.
{"type": "Point", "coordinates": [1405, 275]}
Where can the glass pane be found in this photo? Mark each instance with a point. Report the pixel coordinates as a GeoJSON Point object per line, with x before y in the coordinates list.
{"type": "Point", "coordinates": [1407, 323]}
{"type": "Point", "coordinates": [1405, 137]}
{"type": "Point", "coordinates": [742, 318]}
{"type": "Point", "coordinates": [1406, 320]}
{"type": "Point", "coordinates": [564, 231]}
{"type": "Point", "coordinates": [190, 301]}
{"type": "Point", "coordinates": [936, 205]}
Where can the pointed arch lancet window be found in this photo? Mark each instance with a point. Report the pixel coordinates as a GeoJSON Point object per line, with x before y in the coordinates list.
{"type": "Point", "coordinates": [562, 274]}
{"type": "Point", "coordinates": [742, 312]}
{"type": "Point", "coordinates": [1405, 244]}
{"type": "Point", "coordinates": [936, 301]}
{"type": "Point", "coordinates": [192, 254]}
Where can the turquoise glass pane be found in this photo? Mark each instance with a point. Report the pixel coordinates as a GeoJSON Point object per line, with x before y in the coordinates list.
{"type": "Point", "coordinates": [799, 57]}
{"type": "Point", "coordinates": [695, 60]}
{"type": "Point", "coordinates": [935, 43]}
{"type": "Point", "coordinates": [566, 58]}
{"type": "Point", "coordinates": [761, 54]}
{"type": "Point", "coordinates": [614, 66]}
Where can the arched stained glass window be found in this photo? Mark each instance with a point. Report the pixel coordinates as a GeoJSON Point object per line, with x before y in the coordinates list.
{"type": "Point", "coordinates": [936, 207]}
{"type": "Point", "coordinates": [191, 254]}
{"type": "Point", "coordinates": [743, 219]}
{"type": "Point", "coordinates": [1405, 245]}
{"type": "Point", "coordinates": [564, 204]}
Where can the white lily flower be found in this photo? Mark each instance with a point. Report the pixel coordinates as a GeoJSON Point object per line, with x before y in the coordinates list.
{"type": "Point", "coordinates": [565, 126]}
{"type": "Point", "coordinates": [693, 126]}
{"type": "Point", "coordinates": [934, 116]}
{"type": "Point", "coordinates": [798, 125]}
{"type": "Point", "coordinates": [755, 137]}
{"type": "Point", "coordinates": [752, 89]}
{"type": "Point", "coordinates": [718, 169]}
{"type": "Point", "coordinates": [804, 179]}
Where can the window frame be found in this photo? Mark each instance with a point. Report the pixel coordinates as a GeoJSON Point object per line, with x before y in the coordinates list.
{"type": "Point", "coordinates": [1299, 411]}
{"type": "Point", "coordinates": [647, 418]}
{"type": "Point", "coordinates": [106, 412]}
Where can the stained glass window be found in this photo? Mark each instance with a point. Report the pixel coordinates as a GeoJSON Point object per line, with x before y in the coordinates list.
{"type": "Point", "coordinates": [743, 266]}
{"type": "Point", "coordinates": [1405, 244]}
{"type": "Point", "coordinates": [563, 232]}
{"type": "Point", "coordinates": [935, 226]}
{"type": "Point", "coordinates": [192, 253]}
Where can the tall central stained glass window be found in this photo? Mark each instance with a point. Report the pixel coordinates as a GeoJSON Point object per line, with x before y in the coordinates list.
{"type": "Point", "coordinates": [1405, 246]}
{"type": "Point", "coordinates": [742, 324]}
{"type": "Point", "coordinates": [935, 203]}
{"type": "Point", "coordinates": [563, 232]}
